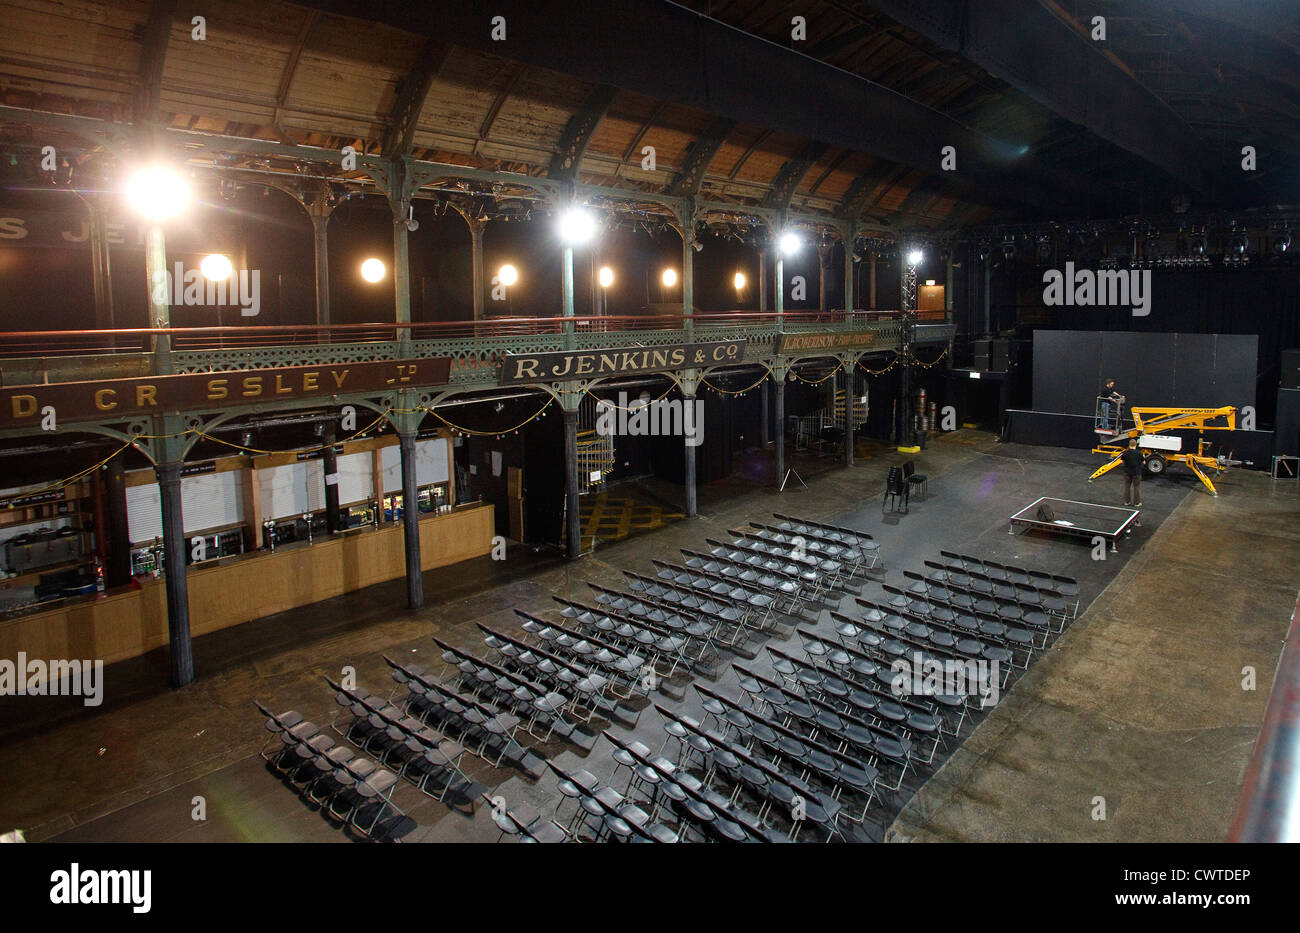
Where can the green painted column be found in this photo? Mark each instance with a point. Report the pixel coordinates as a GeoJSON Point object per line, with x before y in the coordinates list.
{"type": "Point", "coordinates": [402, 280]}
{"type": "Point", "coordinates": [160, 298]}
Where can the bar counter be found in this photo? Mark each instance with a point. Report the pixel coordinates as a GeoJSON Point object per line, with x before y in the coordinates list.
{"type": "Point", "coordinates": [129, 621]}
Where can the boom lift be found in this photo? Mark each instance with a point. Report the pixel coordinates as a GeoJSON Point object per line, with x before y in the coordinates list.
{"type": "Point", "coordinates": [1149, 425]}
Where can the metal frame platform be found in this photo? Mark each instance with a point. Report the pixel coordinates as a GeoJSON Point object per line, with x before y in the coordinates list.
{"type": "Point", "coordinates": [1087, 519]}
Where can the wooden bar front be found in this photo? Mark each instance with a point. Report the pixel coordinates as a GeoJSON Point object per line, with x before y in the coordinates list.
{"type": "Point", "coordinates": [130, 622]}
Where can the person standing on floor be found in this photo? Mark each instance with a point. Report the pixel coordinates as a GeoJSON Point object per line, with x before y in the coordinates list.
{"type": "Point", "coordinates": [1133, 463]}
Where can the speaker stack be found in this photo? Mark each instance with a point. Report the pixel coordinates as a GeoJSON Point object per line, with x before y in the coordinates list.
{"type": "Point", "coordinates": [1286, 442]}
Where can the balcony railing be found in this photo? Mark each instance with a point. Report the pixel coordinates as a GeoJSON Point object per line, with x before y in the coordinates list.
{"type": "Point", "coordinates": [48, 343]}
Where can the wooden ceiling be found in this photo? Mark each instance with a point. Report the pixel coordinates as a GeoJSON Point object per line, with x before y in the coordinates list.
{"type": "Point", "coordinates": [281, 72]}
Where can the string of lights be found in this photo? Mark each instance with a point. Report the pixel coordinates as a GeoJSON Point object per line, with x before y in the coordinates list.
{"type": "Point", "coordinates": [813, 382]}
{"type": "Point", "coordinates": [734, 392]}
{"type": "Point", "coordinates": [877, 372]}
{"type": "Point", "coordinates": [75, 476]}
{"type": "Point", "coordinates": [471, 432]}
{"type": "Point", "coordinates": [935, 362]}
{"type": "Point", "coordinates": [307, 450]}
{"type": "Point", "coordinates": [637, 404]}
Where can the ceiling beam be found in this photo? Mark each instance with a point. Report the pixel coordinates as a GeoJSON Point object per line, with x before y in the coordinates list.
{"type": "Point", "coordinates": [157, 32]}
{"type": "Point", "coordinates": [506, 90]}
{"type": "Point", "coordinates": [678, 55]}
{"type": "Point", "coordinates": [791, 174]}
{"type": "Point", "coordinates": [1046, 58]}
{"type": "Point", "coordinates": [577, 133]}
{"type": "Point", "coordinates": [698, 157]}
{"type": "Point", "coordinates": [399, 134]}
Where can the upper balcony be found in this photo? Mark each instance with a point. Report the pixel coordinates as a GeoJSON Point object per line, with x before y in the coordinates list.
{"type": "Point", "coordinates": [476, 348]}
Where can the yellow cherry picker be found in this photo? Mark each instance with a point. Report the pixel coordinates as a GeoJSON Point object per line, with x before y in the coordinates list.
{"type": "Point", "coordinates": [1158, 447]}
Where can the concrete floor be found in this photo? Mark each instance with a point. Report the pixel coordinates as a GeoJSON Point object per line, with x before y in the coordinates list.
{"type": "Point", "coordinates": [1138, 702]}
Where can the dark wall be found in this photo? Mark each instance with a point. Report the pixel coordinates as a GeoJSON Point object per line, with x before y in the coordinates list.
{"type": "Point", "coordinates": [1262, 300]}
{"type": "Point", "coordinates": [1162, 370]}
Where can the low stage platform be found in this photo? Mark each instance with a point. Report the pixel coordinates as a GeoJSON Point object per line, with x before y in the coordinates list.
{"type": "Point", "coordinates": [1069, 517]}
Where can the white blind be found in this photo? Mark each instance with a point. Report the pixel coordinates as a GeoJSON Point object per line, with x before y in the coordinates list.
{"type": "Point", "coordinates": [431, 461]}
{"type": "Point", "coordinates": [213, 500]}
{"type": "Point", "coordinates": [356, 479]}
{"type": "Point", "coordinates": [292, 489]}
{"type": "Point", "coordinates": [143, 513]}
{"type": "Point", "coordinates": [431, 464]}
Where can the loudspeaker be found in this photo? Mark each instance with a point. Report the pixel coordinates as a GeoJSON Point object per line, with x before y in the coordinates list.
{"type": "Point", "coordinates": [1286, 440]}
{"type": "Point", "coordinates": [1290, 369]}
{"type": "Point", "coordinates": [981, 362]}
{"type": "Point", "coordinates": [1046, 513]}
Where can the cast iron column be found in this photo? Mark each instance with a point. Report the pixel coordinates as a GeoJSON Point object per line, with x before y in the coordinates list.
{"type": "Point", "coordinates": [848, 270]}
{"type": "Point", "coordinates": [320, 220]}
{"type": "Point", "coordinates": [572, 517]}
{"type": "Point", "coordinates": [174, 553]}
{"type": "Point", "coordinates": [476, 228]}
{"type": "Point", "coordinates": [690, 431]}
{"type": "Point", "coordinates": [330, 461]}
{"type": "Point", "coordinates": [778, 422]}
{"type": "Point", "coordinates": [848, 412]}
{"type": "Point", "coordinates": [100, 264]}
{"type": "Point", "coordinates": [160, 301]}
{"type": "Point", "coordinates": [411, 522]}
{"type": "Point", "coordinates": [118, 570]}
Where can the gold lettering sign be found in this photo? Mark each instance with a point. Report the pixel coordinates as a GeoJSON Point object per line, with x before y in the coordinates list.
{"type": "Point", "coordinates": [802, 343]}
{"type": "Point", "coordinates": [101, 400]}
{"type": "Point", "coordinates": [589, 364]}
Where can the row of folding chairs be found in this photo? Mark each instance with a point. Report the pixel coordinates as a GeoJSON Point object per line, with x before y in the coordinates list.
{"type": "Point", "coordinates": [350, 787]}
{"type": "Point", "coordinates": [382, 728]}
{"type": "Point", "coordinates": [861, 687]}
{"type": "Point", "coordinates": [626, 672]}
{"type": "Point", "coordinates": [482, 728]}
{"type": "Point", "coordinates": [956, 600]}
{"type": "Point", "coordinates": [980, 589]}
{"type": "Point", "coordinates": [762, 600]}
{"type": "Point", "coordinates": [524, 824]}
{"type": "Point", "coordinates": [588, 688]}
{"type": "Point", "coordinates": [669, 639]}
{"type": "Point", "coordinates": [842, 778]}
{"type": "Point", "coordinates": [925, 597]}
{"type": "Point", "coordinates": [904, 645]}
{"type": "Point", "coordinates": [860, 557]}
{"type": "Point", "coordinates": [837, 533]}
{"type": "Point", "coordinates": [840, 567]}
{"type": "Point", "coordinates": [815, 579]}
{"type": "Point", "coordinates": [754, 780]}
{"type": "Point", "coordinates": [515, 697]}
{"type": "Point", "coordinates": [855, 681]}
{"type": "Point", "coordinates": [789, 582]}
{"type": "Point", "coordinates": [604, 814]}
{"type": "Point", "coordinates": [813, 716]}
{"type": "Point", "coordinates": [744, 611]}
{"type": "Point", "coordinates": [863, 736]}
{"type": "Point", "coordinates": [784, 590]}
{"type": "Point", "coordinates": [951, 627]}
{"type": "Point", "coordinates": [1064, 586]}
{"type": "Point", "coordinates": [724, 618]}
{"type": "Point", "coordinates": [832, 574]}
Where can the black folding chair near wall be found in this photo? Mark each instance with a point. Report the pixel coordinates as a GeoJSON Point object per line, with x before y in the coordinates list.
{"type": "Point", "coordinates": [896, 490]}
{"type": "Point", "coordinates": [915, 479]}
